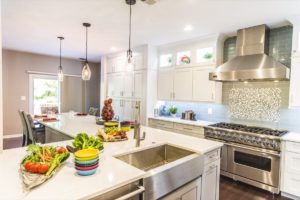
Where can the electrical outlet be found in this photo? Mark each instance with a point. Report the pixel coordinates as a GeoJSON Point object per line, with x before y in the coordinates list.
{"type": "Point", "coordinates": [23, 98]}
{"type": "Point", "coordinates": [210, 111]}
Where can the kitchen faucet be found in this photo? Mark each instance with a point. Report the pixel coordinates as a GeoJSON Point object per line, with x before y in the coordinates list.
{"type": "Point", "coordinates": [137, 125]}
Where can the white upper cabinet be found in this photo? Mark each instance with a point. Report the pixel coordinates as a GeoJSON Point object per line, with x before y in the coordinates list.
{"type": "Point", "coordinates": [203, 88]}
{"type": "Point", "coordinates": [165, 84]}
{"type": "Point", "coordinates": [138, 85]}
{"type": "Point", "coordinates": [183, 84]}
{"type": "Point", "coordinates": [188, 65]}
{"type": "Point", "coordinates": [118, 84]}
{"type": "Point", "coordinates": [110, 85]}
{"type": "Point", "coordinates": [295, 83]}
{"type": "Point", "coordinates": [128, 82]}
{"type": "Point", "coordinates": [138, 62]}
{"type": "Point", "coordinates": [120, 64]}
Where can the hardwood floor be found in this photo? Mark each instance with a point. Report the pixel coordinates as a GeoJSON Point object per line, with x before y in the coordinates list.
{"type": "Point", "coordinates": [229, 189]}
{"type": "Point", "coordinates": [233, 190]}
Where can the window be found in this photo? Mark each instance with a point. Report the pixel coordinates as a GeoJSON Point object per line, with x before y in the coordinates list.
{"type": "Point", "coordinates": [44, 94]}
{"type": "Point", "coordinates": [166, 60]}
{"type": "Point", "coordinates": [205, 55]}
{"type": "Point", "coordinates": [183, 58]}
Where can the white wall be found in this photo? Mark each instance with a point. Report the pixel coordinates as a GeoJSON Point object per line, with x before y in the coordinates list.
{"type": "Point", "coordinates": [1, 107]}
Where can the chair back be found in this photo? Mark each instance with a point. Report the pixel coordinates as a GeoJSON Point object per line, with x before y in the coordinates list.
{"type": "Point", "coordinates": [30, 125]}
{"type": "Point", "coordinates": [93, 111]}
{"type": "Point", "coordinates": [24, 125]}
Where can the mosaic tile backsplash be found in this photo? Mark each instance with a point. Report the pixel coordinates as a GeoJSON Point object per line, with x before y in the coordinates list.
{"type": "Point", "coordinates": [288, 118]}
{"type": "Point", "coordinates": [255, 103]}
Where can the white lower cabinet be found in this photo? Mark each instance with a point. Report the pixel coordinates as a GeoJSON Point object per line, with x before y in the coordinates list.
{"type": "Point", "coordinates": [191, 191]}
{"type": "Point", "coordinates": [211, 179]}
{"type": "Point", "coordinates": [290, 171]}
{"type": "Point", "coordinates": [185, 129]}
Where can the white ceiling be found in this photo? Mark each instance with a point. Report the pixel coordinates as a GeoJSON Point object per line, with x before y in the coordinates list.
{"type": "Point", "coordinates": [33, 25]}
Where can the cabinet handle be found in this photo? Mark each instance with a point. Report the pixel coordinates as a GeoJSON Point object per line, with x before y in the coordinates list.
{"type": "Point", "coordinates": [132, 94]}
{"type": "Point", "coordinates": [189, 129]}
{"type": "Point", "coordinates": [173, 95]}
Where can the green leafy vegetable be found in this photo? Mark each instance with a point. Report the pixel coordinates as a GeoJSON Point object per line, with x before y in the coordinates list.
{"type": "Point", "coordinates": [83, 141]}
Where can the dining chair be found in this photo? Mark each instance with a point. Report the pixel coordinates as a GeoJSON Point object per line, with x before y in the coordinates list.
{"type": "Point", "coordinates": [24, 126]}
{"type": "Point", "coordinates": [36, 134]}
{"type": "Point", "coordinates": [93, 111]}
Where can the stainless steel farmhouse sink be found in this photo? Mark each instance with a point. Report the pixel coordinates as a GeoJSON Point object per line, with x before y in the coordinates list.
{"type": "Point", "coordinates": [169, 168]}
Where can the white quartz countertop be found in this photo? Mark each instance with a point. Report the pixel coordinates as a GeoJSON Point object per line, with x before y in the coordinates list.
{"type": "Point", "coordinates": [292, 137]}
{"type": "Point", "coordinates": [182, 121]}
{"type": "Point", "coordinates": [112, 173]}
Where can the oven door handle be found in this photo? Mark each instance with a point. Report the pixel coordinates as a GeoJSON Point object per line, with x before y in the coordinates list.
{"type": "Point", "coordinates": [261, 151]}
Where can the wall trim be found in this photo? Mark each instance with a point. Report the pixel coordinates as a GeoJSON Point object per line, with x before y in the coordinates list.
{"type": "Point", "coordinates": [51, 74]}
{"type": "Point", "coordinates": [12, 136]}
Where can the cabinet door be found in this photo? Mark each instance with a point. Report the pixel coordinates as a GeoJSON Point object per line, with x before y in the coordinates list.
{"type": "Point", "coordinates": [183, 84]}
{"type": "Point", "coordinates": [118, 85]}
{"type": "Point", "coordinates": [138, 62]}
{"type": "Point", "coordinates": [117, 106]}
{"type": "Point", "coordinates": [138, 84]}
{"type": "Point", "coordinates": [128, 110]}
{"type": "Point", "coordinates": [191, 191]}
{"type": "Point", "coordinates": [295, 83]}
{"type": "Point", "coordinates": [165, 85]}
{"type": "Point", "coordinates": [110, 85]}
{"type": "Point", "coordinates": [128, 84]}
{"type": "Point", "coordinates": [211, 178]}
{"type": "Point", "coordinates": [110, 65]}
{"type": "Point", "coordinates": [120, 64]}
{"type": "Point", "coordinates": [203, 88]}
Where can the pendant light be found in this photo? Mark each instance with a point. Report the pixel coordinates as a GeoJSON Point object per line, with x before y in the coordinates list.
{"type": "Point", "coordinates": [129, 52]}
{"type": "Point", "coordinates": [86, 71]}
{"type": "Point", "coordinates": [60, 74]}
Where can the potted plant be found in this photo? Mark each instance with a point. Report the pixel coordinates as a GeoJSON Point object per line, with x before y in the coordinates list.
{"type": "Point", "coordinates": [173, 111]}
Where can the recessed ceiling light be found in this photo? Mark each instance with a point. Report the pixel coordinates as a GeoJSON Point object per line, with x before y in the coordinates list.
{"type": "Point", "coordinates": [188, 28]}
{"type": "Point", "coordinates": [113, 49]}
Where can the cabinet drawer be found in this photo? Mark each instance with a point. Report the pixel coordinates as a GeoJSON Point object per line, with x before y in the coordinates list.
{"type": "Point", "coordinates": [293, 147]}
{"type": "Point", "coordinates": [292, 184]}
{"type": "Point", "coordinates": [193, 129]}
{"type": "Point", "coordinates": [211, 156]}
{"type": "Point", "coordinates": [160, 123]}
{"type": "Point", "coordinates": [292, 162]}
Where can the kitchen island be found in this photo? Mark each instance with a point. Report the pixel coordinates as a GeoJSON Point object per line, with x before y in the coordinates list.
{"type": "Point", "coordinates": [112, 172]}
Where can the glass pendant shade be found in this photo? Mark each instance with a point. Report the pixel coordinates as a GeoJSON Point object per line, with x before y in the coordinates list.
{"type": "Point", "coordinates": [60, 74]}
{"type": "Point", "coordinates": [86, 72]}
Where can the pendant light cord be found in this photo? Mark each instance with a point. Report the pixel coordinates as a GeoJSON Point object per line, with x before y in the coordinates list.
{"type": "Point", "coordinates": [130, 28]}
{"type": "Point", "coordinates": [86, 44]}
{"type": "Point", "coordinates": [60, 54]}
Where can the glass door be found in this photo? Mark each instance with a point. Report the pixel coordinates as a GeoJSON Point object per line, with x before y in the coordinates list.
{"type": "Point", "coordinates": [44, 94]}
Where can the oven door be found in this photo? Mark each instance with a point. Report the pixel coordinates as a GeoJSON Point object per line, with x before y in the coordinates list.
{"type": "Point", "coordinates": [256, 164]}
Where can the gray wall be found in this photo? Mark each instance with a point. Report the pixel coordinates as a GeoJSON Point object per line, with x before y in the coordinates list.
{"type": "Point", "coordinates": [16, 83]}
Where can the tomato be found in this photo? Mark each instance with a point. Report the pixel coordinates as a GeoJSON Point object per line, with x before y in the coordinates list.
{"type": "Point", "coordinates": [28, 165]}
{"type": "Point", "coordinates": [43, 168]}
{"type": "Point", "coordinates": [61, 150]}
{"type": "Point", "coordinates": [34, 168]}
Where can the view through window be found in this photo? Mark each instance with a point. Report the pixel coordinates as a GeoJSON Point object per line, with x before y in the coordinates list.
{"type": "Point", "coordinates": [45, 95]}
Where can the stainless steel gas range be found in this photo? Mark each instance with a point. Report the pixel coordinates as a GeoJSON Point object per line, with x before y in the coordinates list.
{"type": "Point", "coordinates": [250, 154]}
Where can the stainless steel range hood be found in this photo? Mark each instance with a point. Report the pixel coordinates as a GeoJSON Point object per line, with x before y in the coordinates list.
{"type": "Point", "coordinates": [252, 62]}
